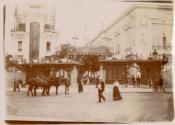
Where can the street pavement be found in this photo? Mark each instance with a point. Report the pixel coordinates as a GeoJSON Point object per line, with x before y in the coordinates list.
{"type": "Point", "coordinates": [137, 105]}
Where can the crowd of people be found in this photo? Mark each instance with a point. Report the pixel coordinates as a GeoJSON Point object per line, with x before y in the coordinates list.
{"type": "Point", "coordinates": [100, 85]}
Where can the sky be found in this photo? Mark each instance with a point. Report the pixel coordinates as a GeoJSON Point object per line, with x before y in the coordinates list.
{"type": "Point", "coordinates": [83, 19]}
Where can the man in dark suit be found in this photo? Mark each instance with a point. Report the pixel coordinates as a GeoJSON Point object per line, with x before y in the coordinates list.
{"type": "Point", "coordinates": [101, 88]}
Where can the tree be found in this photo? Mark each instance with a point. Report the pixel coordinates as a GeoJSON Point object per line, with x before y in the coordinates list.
{"type": "Point", "coordinates": [64, 50]}
{"type": "Point", "coordinates": [10, 62]}
{"type": "Point", "coordinates": [91, 63]}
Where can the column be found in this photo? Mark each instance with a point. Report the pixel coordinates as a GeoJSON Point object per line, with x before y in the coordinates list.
{"type": "Point", "coordinates": [102, 73]}
{"type": "Point", "coordinates": [74, 74]}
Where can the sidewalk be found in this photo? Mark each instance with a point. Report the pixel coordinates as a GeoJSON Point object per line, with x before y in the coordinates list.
{"type": "Point", "coordinates": [92, 88]}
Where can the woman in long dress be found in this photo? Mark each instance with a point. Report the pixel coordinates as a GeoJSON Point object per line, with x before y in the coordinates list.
{"type": "Point", "coordinates": [116, 92]}
{"type": "Point", "coordinates": [80, 85]}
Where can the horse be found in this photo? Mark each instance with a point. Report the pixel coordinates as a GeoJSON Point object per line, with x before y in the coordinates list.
{"type": "Point", "coordinates": [53, 81]}
{"type": "Point", "coordinates": [35, 83]}
{"type": "Point", "coordinates": [17, 84]}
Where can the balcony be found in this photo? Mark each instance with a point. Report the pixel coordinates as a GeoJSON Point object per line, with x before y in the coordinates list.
{"type": "Point", "coordinates": [19, 34]}
{"type": "Point", "coordinates": [167, 48]}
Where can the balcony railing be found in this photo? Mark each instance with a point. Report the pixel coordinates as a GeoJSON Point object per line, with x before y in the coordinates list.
{"type": "Point", "coordinates": [160, 47]}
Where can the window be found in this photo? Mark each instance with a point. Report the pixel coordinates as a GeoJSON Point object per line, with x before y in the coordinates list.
{"type": "Point", "coordinates": [22, 27]}
{"type": "Point", "coordinates": [48, 27]}
{"type": "Point", "coordinates": [48, 46]}
{"type": "Point", "coordinates": [19, 45]}
{"type": "Point", "coordinates": [19, 58]}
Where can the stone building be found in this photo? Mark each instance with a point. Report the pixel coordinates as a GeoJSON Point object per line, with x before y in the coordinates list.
{"type": "Point", "coordinates": [141, 30]}
{"type": "Point", "coordinates": [30, 36]}
{"type": "Point", "coordinates": [33, 36]}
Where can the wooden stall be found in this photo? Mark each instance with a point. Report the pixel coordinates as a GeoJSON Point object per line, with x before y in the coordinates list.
{"type": "Point", "coordinates": [69, 70]}
{"type": "Point", "coordinates": [117, 69]}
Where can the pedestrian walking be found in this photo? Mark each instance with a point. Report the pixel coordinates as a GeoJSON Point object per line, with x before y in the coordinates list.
{"type": "Point", "coordinates": [80, 85]}
{"type": "Point", "coordinates": [116, 91]}
{"type": "Point", "coordinates": [101, 88]}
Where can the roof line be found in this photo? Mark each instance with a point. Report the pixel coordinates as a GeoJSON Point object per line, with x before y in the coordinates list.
{"type": "Point", "coordinates": [108, 27]}
{"type": "Point", "coordinates": [121, 17]}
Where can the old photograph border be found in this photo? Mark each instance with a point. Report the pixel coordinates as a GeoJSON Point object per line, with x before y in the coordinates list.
{"type": "Point", "coordinates": [4, 99]}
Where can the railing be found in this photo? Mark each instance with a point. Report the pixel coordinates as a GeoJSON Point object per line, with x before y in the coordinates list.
{"type": "Point", "coordinates": [160, 47]}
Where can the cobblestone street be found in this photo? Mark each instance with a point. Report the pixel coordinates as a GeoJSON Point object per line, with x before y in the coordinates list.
{"type": "Point", "coordinates": [135, 106]}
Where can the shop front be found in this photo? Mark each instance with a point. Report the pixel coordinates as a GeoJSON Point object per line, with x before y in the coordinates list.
{"type": "Point", "coordinates": [119, 70]}
{"type": "Point", "coordinates": [65, 70]}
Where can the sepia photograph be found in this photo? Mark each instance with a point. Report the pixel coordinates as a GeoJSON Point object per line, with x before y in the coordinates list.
{"type": "Point", "coordinates": [88, 61]}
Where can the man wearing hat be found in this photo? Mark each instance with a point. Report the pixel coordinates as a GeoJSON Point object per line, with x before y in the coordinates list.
{"type": "Point", "coordinates": [101, 88]}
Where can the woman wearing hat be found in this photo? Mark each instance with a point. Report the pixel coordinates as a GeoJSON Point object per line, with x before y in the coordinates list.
{"type": "Point", "coordinates": [116, 92]}
{"type": "Point", "coordinates": [80, 84]}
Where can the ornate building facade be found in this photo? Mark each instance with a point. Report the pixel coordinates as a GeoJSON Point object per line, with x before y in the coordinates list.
{"type": "Point", "coordinates": [33, 36]}
{"type": "Point", "coordinates": [141, 30]}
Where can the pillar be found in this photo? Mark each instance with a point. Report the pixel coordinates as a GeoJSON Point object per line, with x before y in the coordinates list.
{"type": "Point", "coordinates": [74, 74]}
{"type": "Point", "coordinates": [102, 73]}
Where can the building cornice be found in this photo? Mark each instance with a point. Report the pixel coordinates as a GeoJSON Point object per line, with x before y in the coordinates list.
{"type": "Point", "coordinates": [165, 6]}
